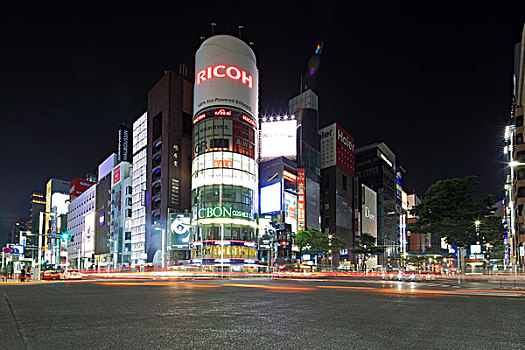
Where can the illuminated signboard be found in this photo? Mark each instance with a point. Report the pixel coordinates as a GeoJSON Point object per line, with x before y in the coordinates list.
{"type": "Point", "coordinates": [278, 139]}
{"type": "Point", "coordinates": [289, 176]}
{"type": "Point", "coordinates": [88, 235]}
{"type": "Point", "coordinates": [180, 225]}
{"type": "Point", "coordinates": [337, 148]}
{"type": "Point", "coordinates": [290, 207]}
{"type": "Point", "coordinates": [226, 75]}
{"type": "Point", "coordinates": [224, 176]}
{"type": "Point", "coordinates": [271, 198]}
{"type": "Point", "coordinates": [222, 212]}
{"type": "Point", "coordinates": [404, 200]}
{"type": "Point", "coordinates": [301, 187]}
{"type": "Point", "coordinates": [221, 71]}
{"type": "Point", "coordinates": [116, 176]}
{"type": "Point", "coordinates": [369, 211]}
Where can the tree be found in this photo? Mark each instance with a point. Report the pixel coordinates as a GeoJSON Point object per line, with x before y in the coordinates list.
{"type": "Point", "coordinates": [449, 209]}
{"type": "Point", "coordinates": [317, 241]}
{"type": "Point", "coordinates": [366, 246]}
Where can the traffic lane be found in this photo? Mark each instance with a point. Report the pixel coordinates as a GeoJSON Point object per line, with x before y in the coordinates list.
{"type": "Point", "coordinates": [241, 314]}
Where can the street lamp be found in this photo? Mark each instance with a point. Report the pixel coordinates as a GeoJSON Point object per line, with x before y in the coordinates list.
{"type": "Point", "coordinates": [330, 251]}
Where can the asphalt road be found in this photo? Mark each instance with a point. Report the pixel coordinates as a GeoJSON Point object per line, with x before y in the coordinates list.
{"type": "Point", "coordinates": [258, 314]}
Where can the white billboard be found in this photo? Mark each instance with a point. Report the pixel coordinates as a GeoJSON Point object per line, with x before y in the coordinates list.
{"type": "Point", "coordinates": [369, 211]}
{"type": "Point", "coordinates": [88, 235]}
{"type": "Point", "coordinates": [290, 207]}
{"type": "Point", "coordinates": [224, 176]}
{"type": "Point", "coordinates": [226, 160]}
{"type": "Point", "coordinates": [271, 196]}
{"type": "Point", "coordinates": [278, 139]}
{"type": "Point", "coordinates": [226, 75]}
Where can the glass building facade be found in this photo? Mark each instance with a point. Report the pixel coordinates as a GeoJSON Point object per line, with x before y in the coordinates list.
{"type": "Point", "coordinates": [224, 187]}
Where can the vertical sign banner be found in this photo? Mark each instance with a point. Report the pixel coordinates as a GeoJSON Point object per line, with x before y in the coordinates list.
{"type": "Point", "coordinates": [301, 192]}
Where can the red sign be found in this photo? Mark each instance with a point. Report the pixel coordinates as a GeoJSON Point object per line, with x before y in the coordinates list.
{"type": "Point", "coordinates": [344, 150]}
{"type": "Point", "coordinates": [221, 71]}
{"type": "Point", "coordinates": [248, 120]}
{"type": "Point", "coordinates": [199, 118]}
{"type": "Point", "coordinates": [116, 175]}
{"type": "Point", "coordinates": [301, 202]}
{"type": "Point", "coordinates": [6, 250]}
{"type": "Point", "coordinates": [222, 163]}
{"type": "Point", "coordinates": [77, 186]}
{"type": "Point", "coordinates": [223, 112]}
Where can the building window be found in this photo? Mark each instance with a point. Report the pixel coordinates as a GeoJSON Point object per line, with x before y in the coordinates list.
{"type": "Point", "coordinates": [128, 190]}
{"type": "Point", "coordinates": [128, 213]}
{"type": "Point", "coordinates": [521, 192]}
{"type": "Point", "coordinates": [521, 174]}
{"type": "Point", "coordinates": [520, 156]}
{"type": "Point", "coordinates": [519, 138]}
{"type": "Point", "coordinates": [519, 121]}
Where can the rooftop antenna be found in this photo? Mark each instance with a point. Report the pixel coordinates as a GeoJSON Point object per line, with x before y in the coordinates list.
{"type": "Point", "coordinates": [213, 25]}
{"type": "Point", "coordinates": [240, 31]}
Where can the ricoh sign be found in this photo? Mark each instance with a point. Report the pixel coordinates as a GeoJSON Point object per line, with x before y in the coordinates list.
{"type": "Point", "coordinates": [337, 148]}
{"type": "Point", "coordinates": [226, 75]}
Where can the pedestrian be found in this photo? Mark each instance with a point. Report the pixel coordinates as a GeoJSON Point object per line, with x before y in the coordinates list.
{"type": "Point", "coordinates": [23, 274]}
{"type": "Point", "coordinates": [29, 272]}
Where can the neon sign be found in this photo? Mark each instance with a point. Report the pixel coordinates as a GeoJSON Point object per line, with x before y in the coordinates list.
{"type": "Point", "coordinates": [223, 212]}
{"type": "Point", "coordinates": [222, 111]}
{"type": "Point", "coordinates": [248, 120]}
{"type": "Point", "coordinates": [221, 71]}
{"type": "Point", "coordinates": [199, 118]}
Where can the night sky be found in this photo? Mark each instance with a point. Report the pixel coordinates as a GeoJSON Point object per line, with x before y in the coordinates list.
{"type": "Point", "coordinates": [434, 83]}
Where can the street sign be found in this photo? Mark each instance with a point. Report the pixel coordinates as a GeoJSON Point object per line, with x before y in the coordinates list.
{"type": "Point", "coordinates": [15, 251]}
{"type": "Point", "coordinates": [6, 250]}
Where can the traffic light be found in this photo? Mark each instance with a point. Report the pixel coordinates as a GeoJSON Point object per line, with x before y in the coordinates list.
{"type": "Point", "coordinates": [283, 243]}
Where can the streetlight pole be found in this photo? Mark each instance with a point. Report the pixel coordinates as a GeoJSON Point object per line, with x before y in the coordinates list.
{"type": "Point", "coordinates": [330, 251]}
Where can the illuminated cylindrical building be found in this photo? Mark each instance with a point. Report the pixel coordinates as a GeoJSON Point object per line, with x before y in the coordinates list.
{"type": "Point", "coordinates": [224, 167]}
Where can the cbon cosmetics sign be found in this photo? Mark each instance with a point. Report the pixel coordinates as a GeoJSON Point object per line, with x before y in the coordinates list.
{"type": "Point", "coordinates": [226, 75]}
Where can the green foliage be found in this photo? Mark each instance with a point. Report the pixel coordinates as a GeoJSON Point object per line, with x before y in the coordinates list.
{"type": "Point", "coordinates": [449, 209]}
{"type": "Point", "coordinates": [317, 241]}
{"type": "Point", "coordinates": [365, 245]}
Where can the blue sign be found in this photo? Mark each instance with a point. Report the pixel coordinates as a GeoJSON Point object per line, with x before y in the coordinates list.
{"type": "Point", "coordinates": [15, 251]}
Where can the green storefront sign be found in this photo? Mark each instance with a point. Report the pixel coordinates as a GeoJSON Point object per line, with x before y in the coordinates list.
{"type": "Point", "coordinates": [223, 212]}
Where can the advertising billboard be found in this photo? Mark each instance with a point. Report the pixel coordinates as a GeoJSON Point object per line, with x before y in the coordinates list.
{"type": "Point", "coordinates": [88, 235]}
{"type": "Point", "coordinates": [369, 211]}
{"type": "Point", "coordinates": [180, 229]}
{"type": "Point", "coordinates": [271, 198]}
{"type": "Point", "coordinates": [301, 201]}
{"type": "Point", "coordinates": [278, 138]}
{"type": "Point", "coordinates": [78, 186]}
{"type": "Point", "coordinates": [224, 176]}
{"type": "Point", "coordinates": [226, 75]}
{"type": "Point", "coordinates": [313, 207]}
{"type": "Point", "coordinates": [290, 207]}
{"type": "Point", "coordinates": [116, 178]}
{"type": "Point", "coordinates": [343, 209]}
{"type": "Point", "coordinates": [337, 148]}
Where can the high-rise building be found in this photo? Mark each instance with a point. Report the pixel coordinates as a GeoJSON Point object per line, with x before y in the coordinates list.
{"type": "Point", "coordinates": [81, 229]}
{"type": "Point", "coordinates": [57, 196]}
{"type": "Point", "coordinates": [138, 199]}
{"type": "Point", "coordinates": [120, 225]}
{"type": "Point", "coordinates": [225, 172]}
{"type": "Point", "coordinates": [18, 226]}
{"type": "Point", "coordinates": [515, 174]}
{"type": "Point", "coordinates": [103, 209]}
{"type": "Point", "coordinates": [305, 108]}
{"type": "Point", "coordinates": [36, 206]}
{"type": "Point", "coordinates": [125, 146]}
{"type": "Point", "coordinates": [375, 166]}
{"type": "Point", "coordinates": [337, 191]}
{"type": "Point", "coordinates": [168, 164]}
